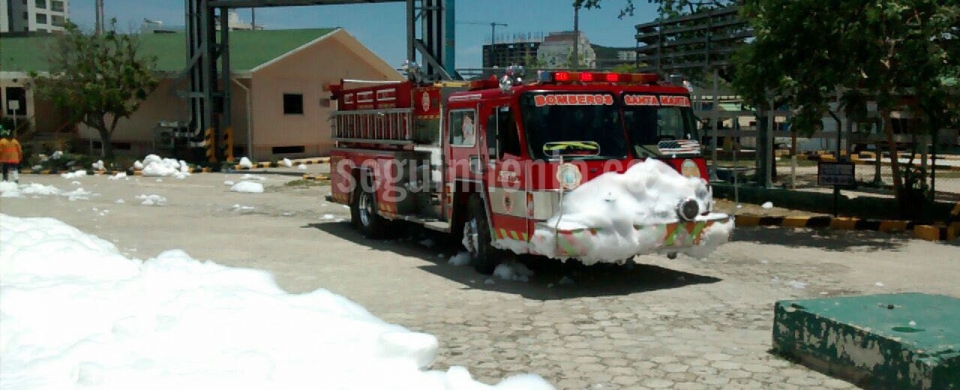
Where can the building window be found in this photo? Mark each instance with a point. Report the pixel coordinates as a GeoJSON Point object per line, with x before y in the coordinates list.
{"type": "Point", "coordinates": [41, 18]}
{"type": "Point", "coordinates": [293, 103]}
{"type": "Point", "coordinates": [57, 20]}
{"type": "Point", "coordinates": [26, 16]}
{"type": "Point", "coordinates": [57, 6]}
{"type": "Point", "coordinates": [19, 95]}
{"type": "Point", "coordinates": [42, 4]}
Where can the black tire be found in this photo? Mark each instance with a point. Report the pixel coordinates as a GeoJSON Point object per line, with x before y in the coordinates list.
{"type": "Point", "coordinates": [477, 240]}
{"type": "Point", "coordinates": [364, 216]}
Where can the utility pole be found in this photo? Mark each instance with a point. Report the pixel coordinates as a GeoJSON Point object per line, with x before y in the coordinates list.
{"type": "Point", "coordinates": [100, 23]}
{"type": "Point", "coordinates": [576, 37]}
{"type": "Point", "coordinates": [493, 37]}
{"type": "Point", "coordinates": [493, 42]}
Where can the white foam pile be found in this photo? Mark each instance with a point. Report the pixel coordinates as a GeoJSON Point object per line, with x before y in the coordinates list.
{"type": "Point", "coordinates": [252, 177]}
{"type": "Point", "coordinates": [153, 165]}
{"type": "Point", "coordinates": [302, 167]}
{"type": "Point", "coordinates": [13, 190]}
{"type": "Point", "coordinates": [152, 200]}
{"type": "Point", "coordinates": [79, 314]}
{"type": "Point", "coordinates": [74, 175]}
{"type": "Point", "coordinates": [77, 194]}
{"type": "Point", "coordinates": [513, 271]}
{"type": "Point", "coordinates": [647, 195]}
{"type": "Point", "coordinates": [245, 163]}
{"type": "Point", "coordinates": [286, 162]}
{"type": "Point", "coordinates": [118, 176]}
{"type": "Point", "coordinates": [247, 187]}
{"type": "Point", "coordinates": [98, 166]}
{"type": "Point", "coordinates": [460, 259]}
{"type": "Point", "coordinates": [9, 189]}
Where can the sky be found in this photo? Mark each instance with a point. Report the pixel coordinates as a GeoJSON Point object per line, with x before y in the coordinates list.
{"type": "Point", "coordinates": [77, 313]}
{"type": "Point", "coordinates": [381, 27]}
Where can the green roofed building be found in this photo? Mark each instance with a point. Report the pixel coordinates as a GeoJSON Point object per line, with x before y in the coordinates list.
{"type": "Point", "coordinates": [279, 103]}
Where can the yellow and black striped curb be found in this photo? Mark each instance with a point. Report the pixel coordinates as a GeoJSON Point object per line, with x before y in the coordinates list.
{"type": "Point", "coordinates": [134, 172]}
{"type": "Point", "coordinates": [315, 177]}
{"type": "Point", "coordinates": [277, 164]}
{"type": "Point", "coordinates": [937, 232]}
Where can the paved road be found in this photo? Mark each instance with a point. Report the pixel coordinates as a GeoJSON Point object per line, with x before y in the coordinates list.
{"type": "Point", "coordinates": [684, 323]}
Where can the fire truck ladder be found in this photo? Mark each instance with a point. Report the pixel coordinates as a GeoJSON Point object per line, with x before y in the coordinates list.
{"type": "Point", "coordinates": [384, 126]}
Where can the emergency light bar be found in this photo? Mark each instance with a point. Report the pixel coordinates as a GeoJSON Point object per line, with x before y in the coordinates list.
{"type": "Point", "coordinates": [596, 77]}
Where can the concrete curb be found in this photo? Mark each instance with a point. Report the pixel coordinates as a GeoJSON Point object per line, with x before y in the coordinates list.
{"type": "Point", "coordinates": [277, 164]}
{"type": "Point", "coordinates": [131, 172]}
{"type": "Point", "coordinates": [315, 177]}
{"type": "Point", "coordinates": [895, 341]}
{"type": "Point", "coordinates": [941, 232]}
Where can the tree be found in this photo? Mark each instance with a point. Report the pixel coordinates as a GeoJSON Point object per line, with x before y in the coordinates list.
{"type": "Point", "coordinates": [670, 8]}
{"type": "Point", "coordinates": [97, 79]}
{"type": "Point", "coordinates": [895, 53]}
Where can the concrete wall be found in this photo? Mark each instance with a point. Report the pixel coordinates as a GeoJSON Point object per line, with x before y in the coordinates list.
{"type": "Point", "coordinates": [304, 72]}
{"type": "Point", "coordinates": [140, 128]}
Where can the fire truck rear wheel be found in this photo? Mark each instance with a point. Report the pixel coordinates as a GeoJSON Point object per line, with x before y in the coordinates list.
{"type": "Point", "coordinates": [363, 214]}
{"type": "Point", "coordinates": [476, 231]}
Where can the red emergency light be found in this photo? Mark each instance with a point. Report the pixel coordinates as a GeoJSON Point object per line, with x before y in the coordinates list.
{"type": "Point", "coordinates": [596, 77]}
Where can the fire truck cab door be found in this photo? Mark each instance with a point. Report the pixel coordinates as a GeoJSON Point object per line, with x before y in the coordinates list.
{"type": "Point", "coordinates": [505, 174]}
{"type": "Point", "coordinates": [463, 144]}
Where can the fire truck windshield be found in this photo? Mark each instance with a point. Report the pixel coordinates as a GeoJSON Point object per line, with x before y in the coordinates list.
{"type": "Point", "coordinates": [572, 117]}
{"type": "Point", "coordinates": [648, 124]}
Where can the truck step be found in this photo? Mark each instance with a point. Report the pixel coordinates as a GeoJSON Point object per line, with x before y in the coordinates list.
{"type": "Point", "coordinates": [440, 226]}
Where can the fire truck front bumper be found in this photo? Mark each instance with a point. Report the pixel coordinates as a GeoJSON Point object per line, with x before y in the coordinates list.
{"type": "Point", "coordinates": [697, 238]}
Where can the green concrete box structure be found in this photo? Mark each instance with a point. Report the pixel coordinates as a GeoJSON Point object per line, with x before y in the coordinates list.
{"type": "Point", "coordinates": [888, 341]}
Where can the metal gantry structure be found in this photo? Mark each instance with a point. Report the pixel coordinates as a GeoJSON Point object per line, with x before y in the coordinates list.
{"type": "Point", "coordinates": [208, 55]}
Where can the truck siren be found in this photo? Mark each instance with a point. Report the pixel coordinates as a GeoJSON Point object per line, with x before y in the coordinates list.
{"type": "Point", "coordinates": [513, 76]}
{"type": "Point", "coordinates": [564, 77]}
{"type": "Point", "coordinates": [413, 71]}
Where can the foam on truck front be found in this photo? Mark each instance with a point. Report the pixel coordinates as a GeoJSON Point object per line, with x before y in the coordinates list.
{"type": "Point", "coordinates": [617, 197]}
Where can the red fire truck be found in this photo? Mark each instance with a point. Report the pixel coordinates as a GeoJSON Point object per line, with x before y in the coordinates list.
{"type": "Point", "coordinates": [489, 161]}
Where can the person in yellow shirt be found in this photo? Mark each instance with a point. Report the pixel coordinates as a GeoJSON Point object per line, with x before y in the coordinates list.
{"type": "Point", "coordinates": [10, 154]}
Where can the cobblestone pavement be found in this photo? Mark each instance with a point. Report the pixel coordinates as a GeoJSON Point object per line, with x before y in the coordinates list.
{"type": "Point", "coordinates": [659, 323]}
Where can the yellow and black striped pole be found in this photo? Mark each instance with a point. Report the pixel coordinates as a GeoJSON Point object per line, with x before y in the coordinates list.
{"type": "Point", "coordinates": [226, 144]}
{"type": "Point", "coordinates": [210, 143]}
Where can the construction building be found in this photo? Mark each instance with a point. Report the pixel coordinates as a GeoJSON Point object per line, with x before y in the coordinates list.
{"type": "Point", "coordinates": [27, 16]}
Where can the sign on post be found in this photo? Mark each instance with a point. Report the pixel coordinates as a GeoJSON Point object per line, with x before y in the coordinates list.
{"type": "Point", "coordinates": [836, 174]}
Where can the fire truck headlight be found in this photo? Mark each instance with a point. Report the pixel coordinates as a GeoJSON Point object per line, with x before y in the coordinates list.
{"type": "Point", "coordinates": [688, 209]}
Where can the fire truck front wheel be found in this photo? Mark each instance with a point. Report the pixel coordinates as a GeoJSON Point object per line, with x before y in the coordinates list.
{"type": "Point", "coordinates": [363, 215]}
{"type": "Point", "coordinates": [477, 240]}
